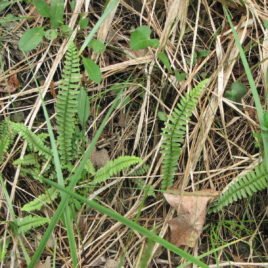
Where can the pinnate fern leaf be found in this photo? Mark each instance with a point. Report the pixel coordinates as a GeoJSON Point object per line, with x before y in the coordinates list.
{"type": "Point", "coordinates": [33, 140]}
{"type": "Point", "coordinates": [29, 222]}
{"type": "Point", "coordinates": [28, 160]}
{"type": "Point", "coordinates": [242, 187]}
{"type": "Point", "coordinates": [66, 105]}
{"type": "Point", "coordinates": [6, 137]}
{"type": "Point", "coordinates": [174, 131]}
{"type": "Point", "coordinates": [41, 200]}
{"type": "Point", "coordinates": [115, 166]}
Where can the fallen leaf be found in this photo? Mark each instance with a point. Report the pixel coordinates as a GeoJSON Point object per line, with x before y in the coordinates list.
{"type": "Point", "coordinates": [191, 212]}
{"type": "Point", "coordinates": [11, 85]}
{"type": "Point", "coordinates": [46, 264]}
{"type": "Point", "coordinates": [100, 158]}
{"type": "Point", "coordinates": [122, 122]}
{"type": "Point", "coordinates": [13, 81]}
{"type": "Point", "coordinates": [52, 89]}
{"type": "Point", "coordinates": [111, 264]}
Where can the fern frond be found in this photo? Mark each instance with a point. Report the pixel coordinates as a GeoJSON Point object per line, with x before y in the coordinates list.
{"type": "Point", "coordinates": [41, 200]}
{"type": "Point", "coordinates": [140, 171]}
{"type": "Point", "coordinates": [4, 244]}
{"type": "Point", "coordinates": [89, 167]}
{"type": "Point", "coordinates": [30, 222]}
{"type": "Point", "coordinates": [66, 105]}
{"type": "Point", "coordinates": [28, 160]}
{"type": "Point", "coordinates": [32, 139]}
{"type": "Point", "coordinates": [148, 189]}
{"type": "Point", "coordinates": [174, 131]}
{"type": "Point", "coordinates": [115, 166]}
{"type": "Point", "coordinates": [243, 186]}
{"type": "Point", "coordinates": [6, 138]}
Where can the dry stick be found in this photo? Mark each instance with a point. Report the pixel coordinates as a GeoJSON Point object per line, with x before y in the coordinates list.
{"type": "Point", "coordinates": [143, 108]}
{"type": "Point", "coordinates": [220, 53]}
{"type": "Point", "coordinates": [176, 12]}
{"type": "Point", "coordinates": [239, 264]}
{"type": "Point", "coordinates": [195, 35]}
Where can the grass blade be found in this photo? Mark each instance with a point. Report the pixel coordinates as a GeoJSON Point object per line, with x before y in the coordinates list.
{"type": "Point", "coordinates": [75, 178]}
{"type": "Point", "coordinates": [131, 224]}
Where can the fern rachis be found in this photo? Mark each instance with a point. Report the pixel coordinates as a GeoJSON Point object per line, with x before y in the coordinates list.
{"type": "Point", "coordinates": [66, 105]}
{"type": "Point", "coordinates": [174, 131]}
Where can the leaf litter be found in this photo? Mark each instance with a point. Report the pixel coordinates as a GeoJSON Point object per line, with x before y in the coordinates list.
{"type": "Point", "coordinates": [191, 209]}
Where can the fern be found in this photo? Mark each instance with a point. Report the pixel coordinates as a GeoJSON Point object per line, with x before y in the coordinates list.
{"type": "Point", "coordinates": [140, 171]}
{"type": "Point", "coordinates": [115, 166]}
{"type": "Point", "coordinates": [148, 189]}
{"type": "Point", "coordinates": [33, 140]}
{"type": "Point", "coordinates": [242, 187]}
{"type": "Point", "coordinates": [174, 132]}
{"type": "Point", "coordinates": [6, 138]}
{"type": "Point", "coordinates": [28, 160]}
{"type": "Point", "coordinates": [66, 105]}
{"type": "Point", "coordinates": [89, 168]}
{"type": "Point", "coordinates": [41, 200]}
{"type": "Point", "coordinates": [4, 244]}
{"type": "Point", "coordinates": [29, 222]}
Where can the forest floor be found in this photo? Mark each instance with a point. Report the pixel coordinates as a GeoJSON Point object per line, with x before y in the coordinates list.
{"type": "Point", "coordinates": [192, 40]}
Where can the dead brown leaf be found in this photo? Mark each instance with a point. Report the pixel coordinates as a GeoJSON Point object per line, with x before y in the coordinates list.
{"type": "Point", "coordinates": [46, 264]}
{"type": "Point", "coordinates": [191, 212]}
{"type": "Point", "coordinates": [111, 264]}
{"type": "Point", "coordinates": [10, 85]}
{"type": "Point", "coordinates": [100, 158]}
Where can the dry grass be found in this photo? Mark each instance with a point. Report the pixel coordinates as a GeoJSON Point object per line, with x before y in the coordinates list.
{"type": "Point", "coordinates": [219, 143]}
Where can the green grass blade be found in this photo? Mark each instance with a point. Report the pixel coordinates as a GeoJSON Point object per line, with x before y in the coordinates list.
{"type": "Point", "coordinates": [110, 7]}
{"type": "Point", "coordinates": [246, 66]}
{"type": "Point", "coordinates": [131, 224]}
{"type": "Point", "coordinates": [211, 252]}
{"type": "Point", "coordinates": [68, 221]}
{"type": "Point", "coordinates": [253, 87]}
{"type": "Point", "coordinates": [75, 178]}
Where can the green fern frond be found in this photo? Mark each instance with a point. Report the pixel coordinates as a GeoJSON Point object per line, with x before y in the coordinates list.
{"type": "Point", "coordinates": [6, 138]}
{"type": "Point", "coordinates": [4, 244]}
{"type": "Point", "coordinates": [148, 189]}
{"type": "Point", "coordinates": [174, 131]}
{"type": "Point", "coordinates": [66, 105]}
{"type": "Point", "coordinates": [41, 200]}
{"type": "Point", "coordinates": [32, 139]}
{"type": "Point", "coordinates": [28, 160]}
{"type": "Point", "coordinates": [89, 167]}
{"type": "Point", "coordinates": [30, 222]}
{"type": "Point", "coordinates": [115, 166]}
{"type": "Point", "coordinates": [140, 171]}
{"type": "Point", "coordinates": [242, 187]}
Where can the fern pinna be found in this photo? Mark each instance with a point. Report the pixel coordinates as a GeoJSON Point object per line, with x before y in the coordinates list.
{"type": "Point", "coordinates": [6, 139]}
{"type": "Point", "coordinates": [66, 105]}
{"type": "Point", "coordinates": [242, 187]}
{"type": "Point", "coordinates": [34, 140]}
{"type": "Point", "coordinates": [174, 131]}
